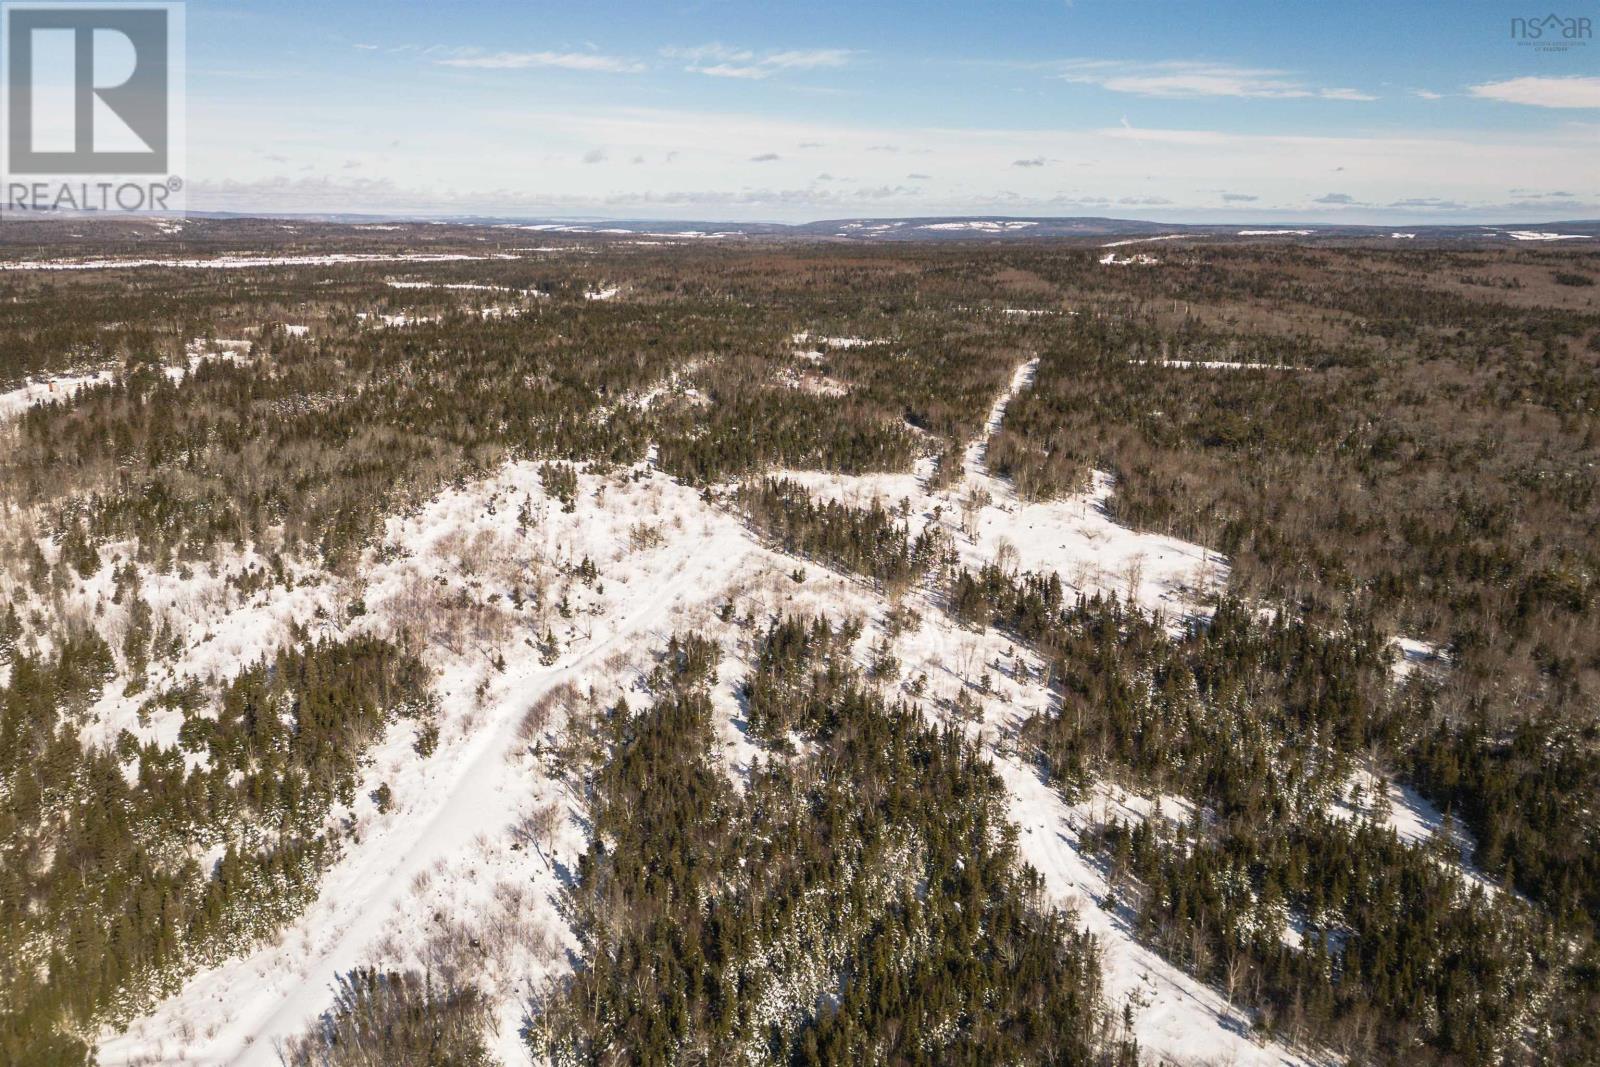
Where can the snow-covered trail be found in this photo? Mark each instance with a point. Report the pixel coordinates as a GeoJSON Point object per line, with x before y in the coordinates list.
{"type": "Point", "coordinates": [976, 460]}
{"type": "Point", "coordinates": [252, 1004]}
{"type": "Point", "coordinates": [1073, 536]}
{"type": "Point", "coordinates": [1176, 1017]}
{"type": "Point", "coordinates": [467, 810]}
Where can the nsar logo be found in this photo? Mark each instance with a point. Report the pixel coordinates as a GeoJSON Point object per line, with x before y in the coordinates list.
{"type": "Point", "coordinates": [1552, 33]}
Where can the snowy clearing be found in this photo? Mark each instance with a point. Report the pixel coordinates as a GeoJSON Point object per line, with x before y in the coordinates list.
{"type": "Point", "coordinates": [1141, 259]}
{"type": "Point", "coordinates": [805, 337]}
{"type": "Point", "coordinates": [1213, 364]}
{"type": "Point", "coordinates": [1415, 655]}
{"type": "Point", "coordinates": [60, 387]}
{"type": "Point", "coordinates": [980, 225]}
{"type": "Point", "coordinates": [1414, 820]}
{"type": "Point", "coordinates": [1072, 536]}
{"type": "Point", "coordinates": [1536, 235]}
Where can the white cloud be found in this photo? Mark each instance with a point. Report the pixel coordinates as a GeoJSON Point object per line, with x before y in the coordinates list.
{"type": "Point", "coordinates": [589, 61]}
{"type": "Point", "coordinates": [721, 61]}
{"type": "Point", "coordinates": [1538, 91]}
{"type": "Point", "coordinates": [805, 60]}
{"type": "Point", "coordinates": [1344, 94]}
{"type": "Point", "coordinates": [446, 169]}
{"type": "Point", "coordinates": [1180, 79]}
{"type": "Point", "coordinates": [707, 53]}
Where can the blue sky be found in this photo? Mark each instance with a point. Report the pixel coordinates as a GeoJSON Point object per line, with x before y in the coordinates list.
{"type": "Point", "coordinates": [1381, 112]}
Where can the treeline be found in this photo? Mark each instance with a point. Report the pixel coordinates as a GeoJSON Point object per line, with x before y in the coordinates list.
{"type": "Point", "coordinates": [316, 438]}
{"type": "Point", "coordinates": [867, 541]}
{"type": "Point", "coordinates": [1528, 798]}
{"type": "Point", "coordinates": [388, 1018]}
{"type": "Point", "coordinates": [1340, 936]}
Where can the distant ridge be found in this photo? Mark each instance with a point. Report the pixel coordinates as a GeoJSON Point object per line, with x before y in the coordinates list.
{"type": "Point", "coordinates": [997, 227]}
{"type": "Point", "coordinates": [861, 229]}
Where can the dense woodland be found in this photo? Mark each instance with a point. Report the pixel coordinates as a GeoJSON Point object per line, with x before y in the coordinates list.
{"type": "Point", "coordinates": [1258, 724]}
{"type": "Point", "coordinates": [1412, 451]}
{"type": "Point", "coordinates": [876, 876]}
{"type": "Point", "coordinates": [105, 904]}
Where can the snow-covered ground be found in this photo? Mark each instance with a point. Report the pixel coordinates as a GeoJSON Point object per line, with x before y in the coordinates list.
{"type": "Point", "coordinates": [806, 337]}
{"type": "Point", "coordinates": [51, 388]}
{"type": "Point", "coordinates": [1213, 364]}
{"type": "Point", "coordinates": [1413, 654]}
{"type": "Point", "coordinates": [980, 225]}
{"type": "Point", "coordinates": [465, 286]}
{"type": "Point", "coordinates": [1139, 259]}
{"type": "Point", "coordinates": [1176, 1019]}
{"type": "Point", "coordinates": [1073, 536]}
{"type": "Point", "coordinates": [396, 318]}
{"type": "Point", "coordinates": [454, 849]}
{"type": "Point", "coordinates": [1542, 235]}
{"type": "Point", "coordinates": [220, 629]}
{"type": "Point", "coordinates": [465, 868]}
{"type": "Point", "coordinates": [449, 285]}
{"type": "Point", "coordinates": [1414, 819]}
{"type": "Point", "coordinates": [815, 349]}
{"type": "Point", "coordinates": [234, 350]}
